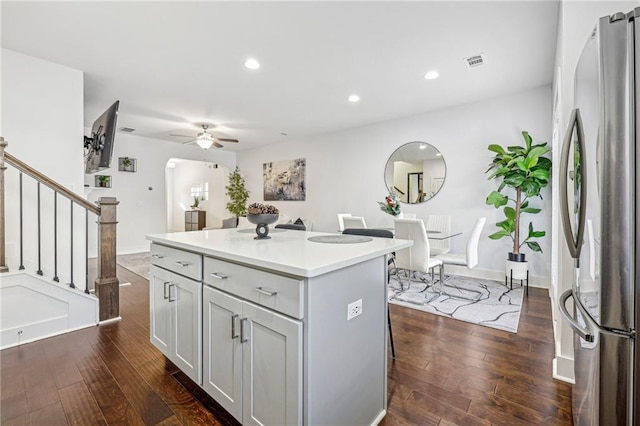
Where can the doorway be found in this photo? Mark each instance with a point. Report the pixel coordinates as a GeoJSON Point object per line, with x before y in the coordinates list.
{"type": "Point", "coordinates": [186, 179]}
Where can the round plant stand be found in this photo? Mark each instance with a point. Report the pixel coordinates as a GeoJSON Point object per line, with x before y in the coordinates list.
{"type": "Point", "coordinates": [518, 271]}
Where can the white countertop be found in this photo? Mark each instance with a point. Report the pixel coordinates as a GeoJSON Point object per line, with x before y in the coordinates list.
{"type": "Point", "coordinates": [288, 252]}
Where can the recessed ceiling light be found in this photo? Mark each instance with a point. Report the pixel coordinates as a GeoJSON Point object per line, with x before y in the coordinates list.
{"type": "Point", "coordinates": [354, 98]}
{"type": "Point", "coordinates": [431, 75]}
{"type": "Point", "coordinates": [252, 64]}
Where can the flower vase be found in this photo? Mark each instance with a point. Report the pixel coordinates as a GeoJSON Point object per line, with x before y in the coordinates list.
{"type": "Point", "coordinates": [399, 216]}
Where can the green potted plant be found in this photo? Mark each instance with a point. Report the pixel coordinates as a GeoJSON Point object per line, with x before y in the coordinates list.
{"type": "Point", "coordinates": [196, 202]}
{"type": "Point", "coordinates": [237, 193]}
{"type": "Point", "coordinates": [103, 181]}
{"type": "Point", "coordinates": [522, 172]}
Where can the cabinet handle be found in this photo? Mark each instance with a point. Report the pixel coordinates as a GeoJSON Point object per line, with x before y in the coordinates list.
{"type": "Point", "coordinates": [265, 292]}
{"type": "Point", "coordinates": [219, 275]}
{"type": "Point", "coordinates": [157, 256]}
{"type": "Point", "coordinates": [242, 339]}
{"type": "Point", "coordinates": [233, 326]}
{"type": "Point", "coordinates": [165, 289]}
{"type": "Point", "coordinates": [182, 263]}
{"type": "Point", "coordinates": [174, 295]}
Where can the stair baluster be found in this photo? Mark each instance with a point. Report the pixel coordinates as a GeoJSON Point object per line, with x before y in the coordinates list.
{"type": "Point", "coordinates": [55, 237]}
{"type": "Point", "coordinates": [21, 234]}
{"type": "Point", "coordinates": [71, 284]}
{"type": "Point", "coordinates": [86, 251]}
{"type": "Point", "coordinates": [39, 271]}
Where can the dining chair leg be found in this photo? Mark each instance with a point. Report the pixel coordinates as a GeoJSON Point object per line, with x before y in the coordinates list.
{"type": "Point", "coordinates": [393, 348]}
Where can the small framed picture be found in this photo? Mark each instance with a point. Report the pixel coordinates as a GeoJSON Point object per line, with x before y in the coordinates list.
{"type": "Point", "coordinates": [127, 164]}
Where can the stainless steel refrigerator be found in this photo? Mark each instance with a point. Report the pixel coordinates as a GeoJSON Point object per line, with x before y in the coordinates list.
{"type": "Point", "coordinates": [598, 190]}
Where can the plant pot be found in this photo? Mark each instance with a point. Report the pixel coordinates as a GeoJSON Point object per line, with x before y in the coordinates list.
{"type": "Point", "coordinates": [516, 257]}
{"type": "Point", "coordinates": [516, 270]}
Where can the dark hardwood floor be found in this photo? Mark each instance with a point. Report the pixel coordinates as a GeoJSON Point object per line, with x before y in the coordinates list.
{"type": "Point", "coordinates": [446, 372]}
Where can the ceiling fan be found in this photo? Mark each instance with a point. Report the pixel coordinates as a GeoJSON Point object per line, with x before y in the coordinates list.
{"type": "Point", "coordinates": [205, 140]}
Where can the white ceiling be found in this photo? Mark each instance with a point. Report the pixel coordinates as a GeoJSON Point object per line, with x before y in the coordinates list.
{"type": "Point", "coordinates": [173, 64]}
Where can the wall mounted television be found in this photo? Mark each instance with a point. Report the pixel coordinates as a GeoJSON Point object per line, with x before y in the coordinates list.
{"type": "Point", "coordinates": [98, 148]}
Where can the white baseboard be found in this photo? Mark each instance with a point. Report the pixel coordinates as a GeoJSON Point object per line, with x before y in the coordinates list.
{"type": "Point", "coordinates": [563, 369]}
{"type": "Point", "coordinates": [490, 274]}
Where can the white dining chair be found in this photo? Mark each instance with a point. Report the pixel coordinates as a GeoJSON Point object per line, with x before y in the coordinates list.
{"type": "Point", "coordinates": [354, 222]}
{"type": "Point", "coordinates": [340, 221]}
{"type": "Point", "coordinates": [441, 224]}
{"type": "Point", "coordinates": [469, 259]}
{"type": "Point", "coordinates": [416, 258]}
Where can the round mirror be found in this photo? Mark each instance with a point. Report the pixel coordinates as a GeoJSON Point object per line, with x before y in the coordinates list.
{"type": "Point", "coordinates": [415, 172]}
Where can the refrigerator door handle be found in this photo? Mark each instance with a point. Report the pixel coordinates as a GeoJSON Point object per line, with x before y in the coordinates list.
{"type": "Point", "coordinates": [574, 244]}
{"type": "Point", "coordinates": [585, 333]}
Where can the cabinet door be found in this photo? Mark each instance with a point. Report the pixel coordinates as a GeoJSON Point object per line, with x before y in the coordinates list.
{"type": "Point", "coordinates": [160, 313]}
{"type": "Point", "coordinates": [222, 359]}
{"type": "Point", "coordinates": [272, 373]}
{"type": "Point", "coordinates": [185, 297]}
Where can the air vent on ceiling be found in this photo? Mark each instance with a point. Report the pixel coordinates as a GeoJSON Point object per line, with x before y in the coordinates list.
{"type": "Point", "coordinates": [126, 129]}
{"type": "Point", "coordinates": [475, 60]}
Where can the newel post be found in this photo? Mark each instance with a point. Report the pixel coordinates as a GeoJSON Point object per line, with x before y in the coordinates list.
{"type": "Point", "coordinates": [3, 265]}
{"type": "Point", "coordinates": [107, 284]}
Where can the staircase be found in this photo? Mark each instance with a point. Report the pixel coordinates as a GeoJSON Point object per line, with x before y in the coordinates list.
{"type": "Point", "coordinates": [35, 304]}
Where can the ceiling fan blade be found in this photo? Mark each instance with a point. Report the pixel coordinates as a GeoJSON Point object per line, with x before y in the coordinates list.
{"type": "Point", "coordinates": [217, 145]}
{"type": "Point", "coordinates": [180, 136]}
{"type": "Point", "coordinates": [189, 142]}
{"type": "Point", "coordinates": [227, 140]}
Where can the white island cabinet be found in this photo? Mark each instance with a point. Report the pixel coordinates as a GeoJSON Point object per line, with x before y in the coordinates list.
{"type": "Point", "coordinates": [275, 345]}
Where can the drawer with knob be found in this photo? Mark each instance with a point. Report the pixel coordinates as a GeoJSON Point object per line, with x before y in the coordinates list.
{"type": "Point", "coordinates": [178, 261]}
{"type": "Point", "coordinates": [278, 292]}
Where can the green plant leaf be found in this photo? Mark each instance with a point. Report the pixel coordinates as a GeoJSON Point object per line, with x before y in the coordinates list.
{"type": "Point", "coordinates": [507, 225]}
{"type": "Point", "coordinates": [496, 148]}
{"type": "Point", "coordinates": [498, 235]}
{"type": "Point", "coordinates": [534, 246]}
{"type": "Point", "coordinates": [537, 152]}
{"type": "Point", "coordinates": [522, 166]}
{"type": "Point", "coordinates": [496, 199]}
{"type": "Point", "coordinates": [531, 210]}
{"type": "Point", "coordinates": [540, 174]}
{"type": "Point", "coordinates": [514, 180]}
{"type": "Point", "coordinates": [510, 213]}
{"type": "Point", "coordinates": [527, 139]}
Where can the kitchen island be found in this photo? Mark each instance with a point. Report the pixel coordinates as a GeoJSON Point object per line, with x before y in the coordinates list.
{"type": "Point", "coordinates": [262, 325]}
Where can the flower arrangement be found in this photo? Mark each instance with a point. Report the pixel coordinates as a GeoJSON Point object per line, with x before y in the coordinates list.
{"type": "Point", "coordinates": [391, 204]}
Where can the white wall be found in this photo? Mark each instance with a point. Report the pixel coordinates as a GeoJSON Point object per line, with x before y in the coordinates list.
{"type": "Point", "coordinates": [577, 20]}
{"type": "Point", "coordinates": [42, 116]}
{"type": "Point", "coordinates": [187, 174]}
{"type": "Point", "coordinates": [345, 170]}
{"type": "Point", "coordinates": [142, 195]}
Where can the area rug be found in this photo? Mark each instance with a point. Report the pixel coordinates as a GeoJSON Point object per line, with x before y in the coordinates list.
{"type": "Point", "coordinates": [138, 263]}
{"type": "Point", "coordinates": [478, 301]}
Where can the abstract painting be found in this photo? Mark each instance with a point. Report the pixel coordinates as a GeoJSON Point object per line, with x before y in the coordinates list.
{"type": "Point", "coordinates": [284, 180]}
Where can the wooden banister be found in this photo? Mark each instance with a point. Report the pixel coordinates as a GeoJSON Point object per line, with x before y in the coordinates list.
{"type": "Point", "coordinates": [106, 285]}
{"type": "Point", "coordinates": [47, 181]}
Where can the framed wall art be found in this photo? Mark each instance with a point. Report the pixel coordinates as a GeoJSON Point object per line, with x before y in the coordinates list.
{"type": "Point", "coordinates": [284, 180]}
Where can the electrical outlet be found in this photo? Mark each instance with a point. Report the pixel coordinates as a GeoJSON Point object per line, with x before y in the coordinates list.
{"type": "Point", "coordinates": [354, 309]}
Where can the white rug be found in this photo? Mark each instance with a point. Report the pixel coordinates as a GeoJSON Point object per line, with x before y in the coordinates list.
{"type": "Point", "coordinates": [138, 263]}
{"type": "Point", "coordinates": [492, 304]}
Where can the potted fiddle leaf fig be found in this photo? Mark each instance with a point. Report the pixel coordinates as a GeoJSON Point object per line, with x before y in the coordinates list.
{"type": "Point", "coordinates": [522, 172]}
{"type": "Point", "coordinates": [237, 193]}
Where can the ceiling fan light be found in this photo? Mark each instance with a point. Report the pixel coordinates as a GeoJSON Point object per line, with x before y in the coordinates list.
{"type": "Point", "coordinates": [204, 141]}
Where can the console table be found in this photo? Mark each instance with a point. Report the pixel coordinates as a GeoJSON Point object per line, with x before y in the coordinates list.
{"type": "Point", "coordinates": [195, 220]}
